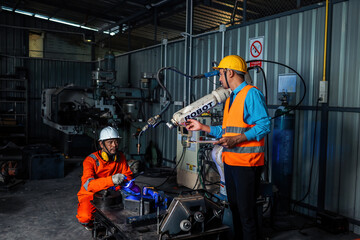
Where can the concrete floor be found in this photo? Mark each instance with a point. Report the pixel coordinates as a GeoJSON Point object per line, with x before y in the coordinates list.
{"type": "Point", "coordinates": [46, 209]}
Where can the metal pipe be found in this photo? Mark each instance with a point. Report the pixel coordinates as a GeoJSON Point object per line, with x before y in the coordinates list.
{"type": "Point", "coordinates": [155, 25]}
{"type": "Point", "coordinates": [324, 121]}
{"type": "Point", "coordinates": [223, 43]}
{"type": "Point", "coordinates": [165, 62]}
{"type": "Point", "coordinates": [190, 49]}
{"type": "Point", "coordinates": [244, 11]}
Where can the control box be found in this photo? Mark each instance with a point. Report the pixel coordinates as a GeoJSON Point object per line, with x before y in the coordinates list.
{"type": "Point", "coordinates": [187, 152]}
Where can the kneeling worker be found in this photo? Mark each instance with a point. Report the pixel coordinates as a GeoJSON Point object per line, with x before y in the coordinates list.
{"type": "Point", "coordinates": [101, 170]}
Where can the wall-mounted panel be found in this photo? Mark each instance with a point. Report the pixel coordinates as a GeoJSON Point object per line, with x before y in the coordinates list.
{"type": "Point", "coordinates": [345, 55]}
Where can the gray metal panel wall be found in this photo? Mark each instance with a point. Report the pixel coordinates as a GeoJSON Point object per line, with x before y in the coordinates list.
{"type": "Point", "coordinates": [122, 70]}
{"type": "Point", "coordinates": [65, 46]}
{"type": "Point", "coordinates": [345, 55]}
{"type": "Point", "coordinates": [206, 52]}
{"type": "Point", "coordinates": [12, 42]}
{"type": "Point", "coordinates": [295, 40]}
{"type": "Point", "coordinates": [343, 166]}
{"type": "Point", "coordinates": [174, 56]}
{"type": "Point", "coordinates": [151, 60]}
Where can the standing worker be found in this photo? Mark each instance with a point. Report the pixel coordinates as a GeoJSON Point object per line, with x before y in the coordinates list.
{"type": "Point", "coordinates": [101, 170]}
{"type": "Point", "coordinates": [245, 123]}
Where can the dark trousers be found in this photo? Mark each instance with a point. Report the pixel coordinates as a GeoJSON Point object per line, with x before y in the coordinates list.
{"type": "Point", "coordinates": [242, 187]}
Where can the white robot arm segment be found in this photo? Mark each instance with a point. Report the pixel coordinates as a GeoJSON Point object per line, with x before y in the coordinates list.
{"type": "Point", "coordinates": [200, 106]}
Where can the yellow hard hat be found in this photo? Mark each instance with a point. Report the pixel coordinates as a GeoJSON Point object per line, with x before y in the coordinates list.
{"type": "Point", "coordinates": [234, 62]}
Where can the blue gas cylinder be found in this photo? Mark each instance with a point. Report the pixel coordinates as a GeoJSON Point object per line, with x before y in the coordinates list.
{"type": "Point", "coordinates": [109, 61]}
{"type": "Point", "coordinates": [282, 156]}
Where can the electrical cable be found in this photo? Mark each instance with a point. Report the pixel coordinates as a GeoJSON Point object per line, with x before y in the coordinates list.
{"type": "Point", "coordinates": [172, 69]}
{"type": "Point", "coordinates": [267, 135]}
{"type": "Point", "coordinates": [301, 78]}
{"type": "Point", "coordinates": [312, 158]}
{"type": "Point", "coordinates": [182, 157]}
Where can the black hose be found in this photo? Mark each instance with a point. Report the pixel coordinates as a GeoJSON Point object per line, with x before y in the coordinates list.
{"type": "Point", "coordinates": [301, 78]}
{"type": "Point", "coordinates": [312, 159]}
{"type": "Point", "coordinates": [173, 171]}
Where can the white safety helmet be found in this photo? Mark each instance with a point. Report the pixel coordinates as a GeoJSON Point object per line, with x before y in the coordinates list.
{"type": "Point", "coordinates": [109, 133]}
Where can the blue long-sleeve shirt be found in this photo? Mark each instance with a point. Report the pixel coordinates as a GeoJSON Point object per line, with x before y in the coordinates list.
{"type": "Point", "coordinates": [255, 112]}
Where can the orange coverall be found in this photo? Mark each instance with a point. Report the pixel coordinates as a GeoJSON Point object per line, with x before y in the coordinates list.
{"type": "Point", "coordinates": [96, 177]}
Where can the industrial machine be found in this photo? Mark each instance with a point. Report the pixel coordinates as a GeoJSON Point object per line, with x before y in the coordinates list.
{"type": "Point", "coordinates": [76, 110]}
{"type": "Point", "coordinates": [192, 214]}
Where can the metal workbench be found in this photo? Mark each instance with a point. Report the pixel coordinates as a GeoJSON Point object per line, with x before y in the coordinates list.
{"type": "Point", "coordinates": [114, 219]}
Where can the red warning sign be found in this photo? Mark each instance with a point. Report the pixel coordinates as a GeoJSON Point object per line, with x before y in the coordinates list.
{"type": "Point", "coordinates": [256, 50]}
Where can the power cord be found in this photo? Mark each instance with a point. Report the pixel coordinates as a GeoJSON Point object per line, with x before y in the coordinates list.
{"type": "Point", "coordinates": [182, 157]}
{"type": "Point", "coordinates": [312, 158]}
{"type": "Point", "coordinates": [301, 78]}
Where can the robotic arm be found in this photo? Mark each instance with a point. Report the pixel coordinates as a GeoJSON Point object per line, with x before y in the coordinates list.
{"type": "Point", "coordinates": [200, 106]}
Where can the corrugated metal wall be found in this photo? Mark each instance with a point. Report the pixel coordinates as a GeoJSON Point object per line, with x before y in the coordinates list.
{"type": "Point", "coordinates": [296, 40]}
{"type": "Point", "coordinates": [343, 162]}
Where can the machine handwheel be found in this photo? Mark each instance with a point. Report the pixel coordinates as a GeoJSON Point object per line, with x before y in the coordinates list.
{"type": "Point", "coordinates": [199, 217]}
{"type": "Point", "coordinates": [185, 225]}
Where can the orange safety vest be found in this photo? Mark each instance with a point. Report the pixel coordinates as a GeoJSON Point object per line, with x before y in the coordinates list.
{"type": "Point", "coordinates": [248, 153]}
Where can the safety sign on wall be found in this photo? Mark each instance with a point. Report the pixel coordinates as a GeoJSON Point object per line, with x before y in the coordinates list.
{"type": "Point", "coordinates": [256, 50]}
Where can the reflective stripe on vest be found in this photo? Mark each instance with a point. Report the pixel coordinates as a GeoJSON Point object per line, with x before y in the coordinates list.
{"type": "Point", "coordinates": [235, 130]}
{"type": "Point", "coordinates": [86, 184]}
{"type": "Point", "coordinates": [258, 149]}
{"type": "Point", "coordinates": [95, 158]}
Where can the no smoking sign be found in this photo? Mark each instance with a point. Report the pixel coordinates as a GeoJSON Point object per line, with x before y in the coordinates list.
{"type": "Point", "coordinates": [256, 50]}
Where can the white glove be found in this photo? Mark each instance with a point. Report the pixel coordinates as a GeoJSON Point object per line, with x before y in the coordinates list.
{"type": "Point", "coordinates": [118, 178]}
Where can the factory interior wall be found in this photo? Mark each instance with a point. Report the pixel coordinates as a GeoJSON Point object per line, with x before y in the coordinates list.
{"type": "Point", "coordinates": [295, 39]}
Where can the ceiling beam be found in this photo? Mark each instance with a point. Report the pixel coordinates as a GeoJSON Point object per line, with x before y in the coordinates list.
{"type": "Point", "coordinates": [161, 5]}
{"type": "Point", "coordinates": [86, 12]}
{"type": "Point", "coordinates": [16, 5]}
{"type": "Point", "coordinates": [105, 12]}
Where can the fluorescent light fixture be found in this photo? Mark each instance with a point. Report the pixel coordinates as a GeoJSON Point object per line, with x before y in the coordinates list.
{"type": "Point", "coordinates": [114, 28]}
{"type": "Point", "coordinates": [41, 16]}
{"type": "Point", "coordinates": [92, 29]}
{"type": "Point", "coordinates": [6, 8]}
{"type": "Point", "coordinates": [64, 22]}
{"type": "Point", "coordinates": [24, 12]}
{"type": "Point", "coordinates": [50, 19]}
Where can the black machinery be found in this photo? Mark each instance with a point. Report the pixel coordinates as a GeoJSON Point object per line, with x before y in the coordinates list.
{"type": "Point", "coordinates": [152, 214]}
